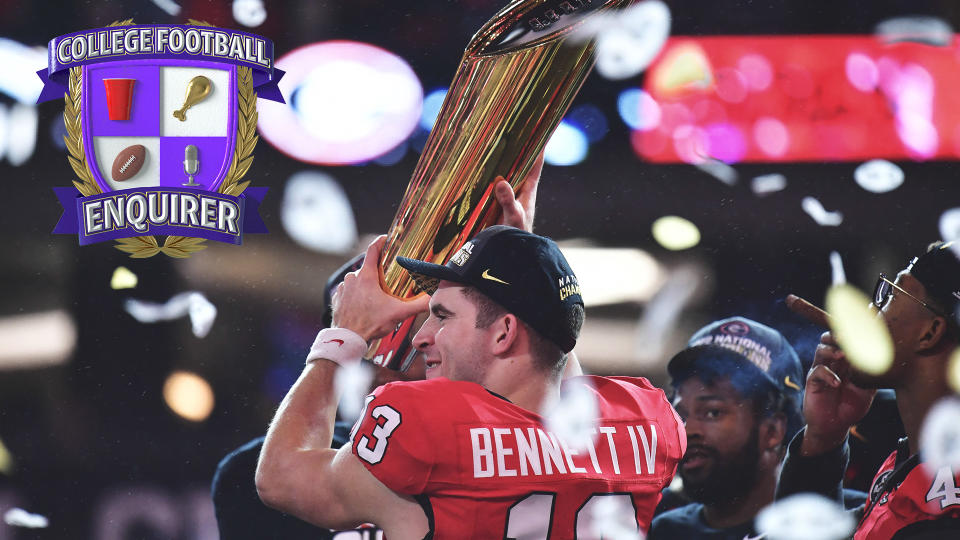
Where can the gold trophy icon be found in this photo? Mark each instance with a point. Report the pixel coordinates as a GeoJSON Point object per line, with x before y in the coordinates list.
{"type": "Point", "coordinates": [197, 90]}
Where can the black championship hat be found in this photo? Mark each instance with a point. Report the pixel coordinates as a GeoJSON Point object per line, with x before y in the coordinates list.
{"type": "Point", "coordinates": [939, 271]}
{"type": "Point", "coordinates": [523, 272]}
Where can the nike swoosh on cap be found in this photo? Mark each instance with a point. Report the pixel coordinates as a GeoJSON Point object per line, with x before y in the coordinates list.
{"type": "Point", "coordinates": [486, 275]}
{"type": "Point", "coordinates": [791, 384]}
{"type": "Point", "coordinates": [339, 342]}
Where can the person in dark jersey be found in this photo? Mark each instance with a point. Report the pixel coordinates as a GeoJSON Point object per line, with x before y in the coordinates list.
{"type": "Point", "coordinates": [908, 498]}
{"type": "Point", "coordinates": [737, 386]}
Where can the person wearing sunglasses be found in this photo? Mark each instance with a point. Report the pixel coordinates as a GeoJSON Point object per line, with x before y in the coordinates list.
{"type": "Point", "coordinates": [920, 306]}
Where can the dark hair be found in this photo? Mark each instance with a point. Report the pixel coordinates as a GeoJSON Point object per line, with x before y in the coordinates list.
{"type": "Point", "coordinates": [953, 325]}
{"type": "Point", "coordinates": [545, 352]}
{"type": "Point", "coordinates": [750, 384]}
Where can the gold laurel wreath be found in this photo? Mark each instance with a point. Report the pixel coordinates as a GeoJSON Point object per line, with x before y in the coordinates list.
{"type": "Point", "coordinates": [141, 247]}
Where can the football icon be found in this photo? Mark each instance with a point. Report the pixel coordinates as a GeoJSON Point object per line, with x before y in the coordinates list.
{"type": "Point", "coordinates": [128, 162]}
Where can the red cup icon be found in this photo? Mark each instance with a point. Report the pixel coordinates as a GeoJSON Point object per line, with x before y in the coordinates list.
{"type": "Point", "coordinates": [119, 97]}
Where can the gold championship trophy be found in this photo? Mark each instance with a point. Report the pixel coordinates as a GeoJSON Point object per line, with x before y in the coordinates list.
{"type": "Point", "coordinates": [515, 82]}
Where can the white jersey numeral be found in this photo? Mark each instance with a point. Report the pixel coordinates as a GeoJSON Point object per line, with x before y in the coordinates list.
{"type": "Point", "coordinates": [381, 432]}
{"type": "Point", "coordinates": [603, 516]}
{"type": "Point", "coordinates": [944, 488]}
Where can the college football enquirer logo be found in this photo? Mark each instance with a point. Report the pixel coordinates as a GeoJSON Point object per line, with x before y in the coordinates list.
{"type": "Point", "coordinates": [161, 126]}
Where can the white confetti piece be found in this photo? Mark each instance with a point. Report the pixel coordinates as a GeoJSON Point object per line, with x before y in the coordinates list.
{"type": "Point", "coordinates": [629, 40]}
{"type": "Point", "coordinates": [169, 6]}
{"type": "Point", "coordinates": [719, 170]}
{"type": "Point", "coordinates": [918, 29]}
{"type": "Point", "coordinates": [836, 269]}
{"type": "Point", "coordinates": [353, 382]}
{"type": "Point", "coordinates": [768, 183]}
{"type": "Point", "coordinates": [123, 278]}
{"type": "Point", "coordinates": [940, 435]}
{"type": "Point", "coordinates": [815, 209]}
{"type": "Point", "coordinates": [878, 176]}
{"type": "Point", "coordinates": [573, 417]}
{"type": "Point", "coordinates": [317, 214]}
{"type": "Point", "coordinates": [249, 13]}
{"type": "Point", "coordinates": [18, 517]}
{"type": "Point", "coordinates": [804, 516]}
{"type": "Point", "coordinates": [661, 313]}
{"type": "Point", "coordinates": [202, 313]}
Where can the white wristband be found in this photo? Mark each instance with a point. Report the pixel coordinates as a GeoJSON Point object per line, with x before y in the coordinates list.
{"type": "Point", "coordinates": [338, 345]}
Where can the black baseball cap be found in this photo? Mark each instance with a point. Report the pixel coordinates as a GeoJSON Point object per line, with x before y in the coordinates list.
{"type": "Point", "coordinates": [523, 272]}
{"type": "Point", "coordinates": [938, 270]}
{"type": "Point", "coordinates": [750, 344]}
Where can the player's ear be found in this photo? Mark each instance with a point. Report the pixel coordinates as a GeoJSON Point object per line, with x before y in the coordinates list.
{"type": "Point", "coordinates": [932, 333]}
{"type": "Point", "coordinates": [773, 429]}
{"type": "Point", "coordinates": [506, 331]}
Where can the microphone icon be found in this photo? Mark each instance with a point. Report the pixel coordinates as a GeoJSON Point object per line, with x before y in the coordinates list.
{"type": "Point", "coordinates": [190, 165]}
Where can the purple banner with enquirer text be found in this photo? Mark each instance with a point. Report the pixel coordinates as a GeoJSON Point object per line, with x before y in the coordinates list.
{"type": "Point", "coordinates": [160, 211]}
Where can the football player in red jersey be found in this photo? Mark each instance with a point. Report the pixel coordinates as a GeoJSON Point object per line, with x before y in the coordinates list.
{"type": "Point", "coordinates": [467, 454]}
{"type": "Point", "coordinates": [920, 308]}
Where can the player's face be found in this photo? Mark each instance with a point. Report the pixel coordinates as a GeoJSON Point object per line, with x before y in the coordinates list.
{"type": "Point", "coordinates": [905, 319]}
{"type": "Point", "coordinates": [449, 341]}
{"type": "Point", "coordinates": [723, 450]}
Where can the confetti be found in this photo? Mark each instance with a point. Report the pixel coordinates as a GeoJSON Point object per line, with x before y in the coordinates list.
{"type": "Point", "coordinates": [953, 371]}
{"type": "Point", "coordinates": [940, 435]}
{"type": "Point", "coordinates": [629, 40]}
{"type": "Point", "coordinates": [352, 381]}
{"type": "Point", "coordinates": [316, 213]}
{"type": "Point", "coordinates": [661, 313]}
{"type": "Point", "coordinates": [6, 460]}
{"type": "Point", "coordinates": [768, 183]}
{"type": "Point", "coordinates": [188, 395]}
{"type": "Point", "coordinates": [18, 517]}
{"type": "Point", "coordinates": [719, 170]}
{"type": "Point", "coordinates": [917, 29]}
{"type": "Point", "coordinates": [878, 176]}
{"type": "Point", "coordinates": [683, 68]}
{"type": "Point", "coordinates": [862, 335]}
{"type": "Point", "coordinates": [202, 313]}
{"type": "Point", "coordinates": [573, 416]}
{"type": "Point", "coordinates": [815, 209]}
{"type": "Point", "coordinates": [123, 278]}
{"type": "Point", "coordinates": [836, 269]}
{"type": "Point", "coordinates": [249, 13]}
{"type": "Point", "coordinates": [675, 233]}
{"type": "Point", "coordinates": [805, 516]}
{"type": "Point", "coordinates": [169, 6]}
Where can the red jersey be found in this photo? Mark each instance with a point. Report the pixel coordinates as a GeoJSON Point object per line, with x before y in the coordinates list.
{"type": "Point", "coordinates": [483, 467]}
{"type": "Point", "coordinates": [897, 501]}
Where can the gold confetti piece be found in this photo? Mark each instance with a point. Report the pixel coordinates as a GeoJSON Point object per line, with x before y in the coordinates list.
{"type": "Point", "coordinates": [6, 460]}
{"type": "Point", "coordinates": [862, 335]}
{"type": "Point", "coordinates": [675, 233]}
{"type": "Point", "coordinates": [123, 278]}
{"type": "Point", "coordinates": [953, 371]}
{"type": "Point", "coordinates": [189, 395]}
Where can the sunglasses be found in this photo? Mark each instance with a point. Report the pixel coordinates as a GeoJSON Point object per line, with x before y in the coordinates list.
{"type": "Point", "coordinates": [884, 289]}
